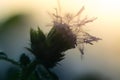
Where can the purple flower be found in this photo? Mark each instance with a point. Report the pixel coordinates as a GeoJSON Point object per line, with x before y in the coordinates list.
{"type": "Point", "coordinates": [70, 27]}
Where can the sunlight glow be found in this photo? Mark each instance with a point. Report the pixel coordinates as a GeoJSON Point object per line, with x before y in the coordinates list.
{"type": "Point", "coordinates": [105, 53]}
{"type": "Point", "coordinates": [109, 5]}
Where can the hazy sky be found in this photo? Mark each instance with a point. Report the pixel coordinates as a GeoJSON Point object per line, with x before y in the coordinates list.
{"type": "Point", "coordinates": [104, 55]}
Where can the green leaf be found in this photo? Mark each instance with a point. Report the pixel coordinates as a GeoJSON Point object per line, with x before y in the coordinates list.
{"type": "Point", "coordinates": [3, 54]}
{"type": "Point", "coordinates": [45, 74]}
{"type": "Point", "coordinates": [27, 72]}
{"type": "Point", "coordinates": [9, 22]}
{"type": "Point", "coordinates": [38, 42]}
{"type": "Point", "coordinates": [37, 35]}
{"type": "Point", "coordinates": [33, 77]}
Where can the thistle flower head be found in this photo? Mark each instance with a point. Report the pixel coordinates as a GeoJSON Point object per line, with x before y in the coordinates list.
{"type": "Point", "coordinates": [66, 32]}
{"type": "Point", "coordinates": [70, 27]}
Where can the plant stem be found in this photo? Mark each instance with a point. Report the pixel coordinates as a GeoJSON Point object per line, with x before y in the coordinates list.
{"type": "Point", "coordinates": [10, 60]}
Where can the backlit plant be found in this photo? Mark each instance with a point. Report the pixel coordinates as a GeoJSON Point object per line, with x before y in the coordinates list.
{"type": "Point", "coordinates": [66, 33]}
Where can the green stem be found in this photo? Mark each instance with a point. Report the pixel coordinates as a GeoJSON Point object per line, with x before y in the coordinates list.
{"type": "Point", "coordinates": [9, 60]}
{"type": "Point", "coordinates": [26, 72]}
